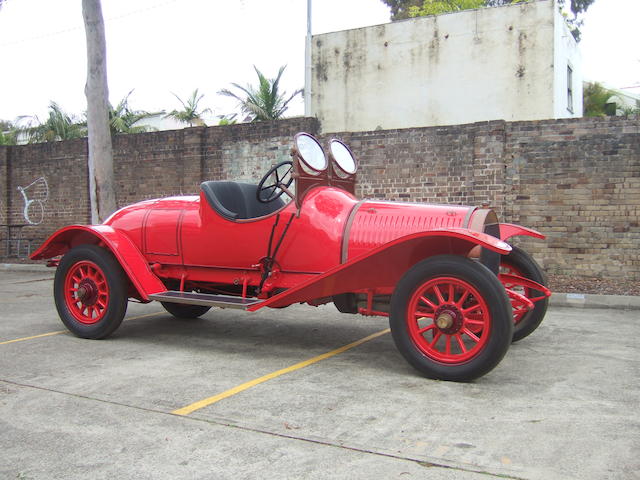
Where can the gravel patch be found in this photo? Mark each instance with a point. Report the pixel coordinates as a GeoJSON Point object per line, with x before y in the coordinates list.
{"type": "Point", "coordinates": [598, 286]}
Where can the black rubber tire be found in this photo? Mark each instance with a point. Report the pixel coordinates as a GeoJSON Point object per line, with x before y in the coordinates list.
{"type": "Point", "coordinates": [525, 263]}
{"type": "Point", "coordinates": [117, 284]}
{"type": "Point", "coordinates": [182, 310]}
{"type": "Point", "coordinates": [489, 288]}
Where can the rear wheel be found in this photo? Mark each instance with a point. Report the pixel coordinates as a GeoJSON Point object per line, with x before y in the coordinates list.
{"type": "Point", "coordinates": [90, 292]}
{"type": "Point", "coordinates": [181, 310]}
{"type": "Point", "coordinates": [520, 263]}
{"type": "Point", "coordinates": [451, 319]}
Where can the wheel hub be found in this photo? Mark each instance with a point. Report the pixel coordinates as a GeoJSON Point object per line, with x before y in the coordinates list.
{"type": "Point", "coordinates": [88, 292]}
{"type": "Point", "coordinates": [445, 320]}
{"type": "Point", "coordinates": [448, 319]}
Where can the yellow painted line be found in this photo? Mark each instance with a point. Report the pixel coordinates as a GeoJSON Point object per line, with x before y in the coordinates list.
{"type": "Point", "coordinates": [241, 388]}
{"type": "Point", "coordinates": [144, 316]}
{"type": "Point", "coordinates": [67, 331]}
{"type": "Point", "coordinates": [35, 336]}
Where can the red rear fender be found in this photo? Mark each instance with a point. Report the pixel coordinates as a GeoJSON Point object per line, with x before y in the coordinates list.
{"type": "Point", "coordinates": [125, 251]}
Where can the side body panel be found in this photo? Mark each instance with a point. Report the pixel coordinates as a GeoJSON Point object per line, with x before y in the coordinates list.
{"type": "Point", "coordinates": [312, 243]}
{"type": "Point", "coordinates": [382, 267]}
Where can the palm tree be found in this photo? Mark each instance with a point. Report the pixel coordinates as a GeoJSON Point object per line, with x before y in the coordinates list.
{"type": "Point", "coordinates": [190, 113]}
{"type": "Point", "coordinates": [122, 118]}
{"type": "Point", "coordinates": [263, 102]}
{"type": "Point", "coordinates": [59, 125]}
{"type": "Point", "coordinates": [228, 119]}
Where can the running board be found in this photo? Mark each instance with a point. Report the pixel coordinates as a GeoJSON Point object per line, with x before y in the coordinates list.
{"type": "Point", "coordinates": [191, 298]}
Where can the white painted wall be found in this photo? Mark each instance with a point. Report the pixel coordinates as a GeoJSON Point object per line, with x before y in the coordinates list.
{"type": "Point", "coordinates": [476, 65]}
{"type": "Point", "coordinates": [566, 54]}
{"type": "Point", "coordinates": [160, 122]}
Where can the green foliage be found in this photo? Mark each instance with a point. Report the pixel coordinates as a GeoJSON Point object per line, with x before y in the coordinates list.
{"type": "Point", "coordinates": [8, 138]}
{"type": "Point", "coordinates": [597, 100]}
{"type": "Point", "coordinates": [228, 119]}
{"type": "Point", "coordinates": [264, 101]}
{"type": "Point", "coordinates": [8, 133]}
{"type": "Point", "coordinates": [59, 125]}
{"type": "Point", "coordinates": [122, 118]}
{"type": "Point", "coordinates": [190, 113]}
{"type": "Point", "coordinates": [437, 7]}
{"type": "Point", "coordinates": [577, 7]}
{"type": "Point", "coordinates": [627, 110]}
{"type": "Point", "coordinates": [401, 9]}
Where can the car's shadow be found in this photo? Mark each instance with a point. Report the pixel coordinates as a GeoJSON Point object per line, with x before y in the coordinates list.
{"type": "Point", "coordinates": [298, 334]}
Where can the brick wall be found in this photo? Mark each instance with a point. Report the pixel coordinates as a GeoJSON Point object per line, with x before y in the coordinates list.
{"type": "Point", "coordinates": [579, 182]}
{"type": "Point", "coordinates": [576, 180]}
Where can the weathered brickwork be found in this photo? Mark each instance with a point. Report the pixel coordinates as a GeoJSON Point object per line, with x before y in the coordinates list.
{"type": "Point", "coordinates": [579, 182]}
{"type": "Point", "coordinates": [457, 164]}
{"type": "Point", "coordinates": [576, 180]}
{"type": "Point", "coordinates": [63, 165]}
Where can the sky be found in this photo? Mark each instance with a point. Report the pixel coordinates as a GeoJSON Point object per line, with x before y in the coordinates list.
{"type": "Point", "coordinates": [158, 48]}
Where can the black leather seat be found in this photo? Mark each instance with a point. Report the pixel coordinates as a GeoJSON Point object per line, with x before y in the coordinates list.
{"type": "Point", "coordinates": [235, 200]}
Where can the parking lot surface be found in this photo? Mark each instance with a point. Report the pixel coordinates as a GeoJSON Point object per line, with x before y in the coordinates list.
{"type": "Point", "coordinates": [226, 396]}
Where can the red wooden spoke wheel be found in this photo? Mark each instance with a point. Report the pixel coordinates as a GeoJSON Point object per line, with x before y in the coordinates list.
{"type": "Point", "coordinates": [518, 313]}
{"type": "Point", "coordinates": [90, 290]}
{"type": "Point", "coordinates": [450, 318]}
{"type": "Point", "coordinates": [86, 292]}
{"type": "Point", "coordinates": [520, 263]}
{"type": "Point", "coordinates": [446, 319]}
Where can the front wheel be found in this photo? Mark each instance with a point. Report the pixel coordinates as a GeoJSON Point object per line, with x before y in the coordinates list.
{"type": "Point", "coordinates": [90, 292]}
{"type": "Point", "coordinates": [520, 263]}
{"type": "Point", "coordinates": [451, 319]}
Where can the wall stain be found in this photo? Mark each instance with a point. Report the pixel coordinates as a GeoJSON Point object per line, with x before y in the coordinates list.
{"type": "Point", "coordinates": [321, 69]}
{"type": "Point", "coordinates": [434, 44]}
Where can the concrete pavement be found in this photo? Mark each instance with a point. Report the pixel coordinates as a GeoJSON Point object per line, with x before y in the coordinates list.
{"type": "Point", "coordinates": [562, 404]}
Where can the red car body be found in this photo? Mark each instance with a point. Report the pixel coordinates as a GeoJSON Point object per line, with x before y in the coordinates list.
{"type": "Point", "coordinates": [228, 247]}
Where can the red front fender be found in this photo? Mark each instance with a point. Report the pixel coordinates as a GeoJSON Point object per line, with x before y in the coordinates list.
{"type": "Point", "coordinates": [132, 261]}
{"type": "Point", "coordinates": [508, 230]}
{"type": "Point", "coordinates": [383, 266]}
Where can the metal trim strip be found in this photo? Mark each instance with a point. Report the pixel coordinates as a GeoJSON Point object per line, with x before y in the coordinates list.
{"type": "Point", "coordinates": [347, 231]}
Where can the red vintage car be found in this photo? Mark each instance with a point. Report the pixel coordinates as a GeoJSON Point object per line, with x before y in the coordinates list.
{"type": "Point", "coordinates": [455, 292]}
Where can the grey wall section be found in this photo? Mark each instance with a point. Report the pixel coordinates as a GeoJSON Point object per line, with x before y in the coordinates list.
{"type": "Point", "coordinates": [576, 180]}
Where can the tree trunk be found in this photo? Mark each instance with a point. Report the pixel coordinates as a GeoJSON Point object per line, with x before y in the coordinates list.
{"type": "Point", "coordinates": [101, 184]}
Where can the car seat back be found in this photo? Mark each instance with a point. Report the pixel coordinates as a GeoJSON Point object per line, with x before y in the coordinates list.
{"type": "Point", "coordinates": [236, 200]}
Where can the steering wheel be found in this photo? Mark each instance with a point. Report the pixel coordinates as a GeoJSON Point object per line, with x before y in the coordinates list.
{"type": "Point", "coordinates": [277, 181]}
